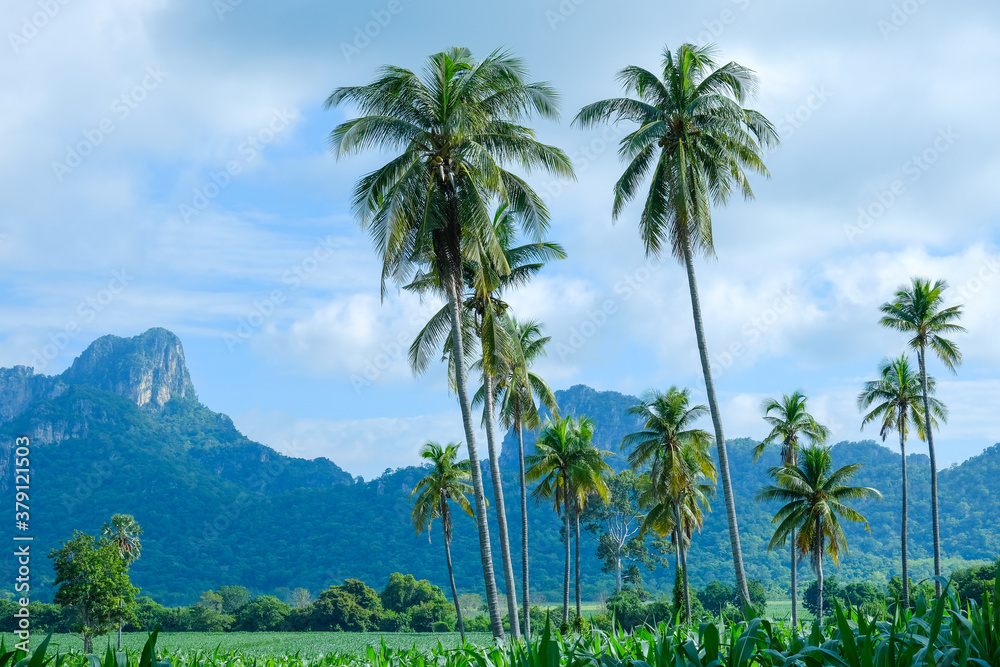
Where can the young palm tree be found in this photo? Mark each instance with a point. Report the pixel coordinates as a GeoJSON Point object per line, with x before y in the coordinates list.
{"type": "Point", "coordinates": [124, 531]}
{"type": "Point", "coordinates": [457, 126]}
{"type": "Point", "coordinates": [679, 509]}
{"type": "Point", "coordinates": [917, 310]}
{"type": "Point", "coordinates": [697, 139]}
{"type": "Point", "coordinates": [589, 481]}
{"type": "Point", "coordinates": [897, 397]}
{"type": "Point", "coordinates": [560, 465]}
{"type": "Point", "coordinates": [789, 421]}
{"type": "Point", "coordinates": [815, 498]}
{"type": "Point", "coordinates": [678, 457]}
{"type": "Point", "coordinates": [447, 480]}
{"type": "Point", "coordinates": [517, 390]}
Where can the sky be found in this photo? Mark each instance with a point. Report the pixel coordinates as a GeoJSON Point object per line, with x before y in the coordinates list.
{"type": "Point", "coordinates": [166, 163]}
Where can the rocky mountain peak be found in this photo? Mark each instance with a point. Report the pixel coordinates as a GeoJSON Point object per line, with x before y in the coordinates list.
{"type": "Point", "coordinates": [147, 369]}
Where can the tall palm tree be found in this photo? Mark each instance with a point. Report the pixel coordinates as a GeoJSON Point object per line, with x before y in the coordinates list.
{"type": "Point", "coordinates": [896, 402]}
{"type": "Point", "coordinates": [918, 310]}
{"type": "Point", "coordinates": [678, 505]}
{"type": "Point", "coordinates": [447, 480]}
{"type": "Point", "coordinates": [485, 312]}
{"type": "Point", "coordinates": [815, 498]}
{"type": "Point", "coordinates": [789, 421]}
{"type": "Point", "coordinates": [560, 465]}
{"type": "Point", "coordinates": [517, 391]}
{"type": "Point", "coordinates": [697, 139]}
{"type": "Point", "coordinates": [124, 531]}
{"type": "Point", "coordinates": [457, 126]}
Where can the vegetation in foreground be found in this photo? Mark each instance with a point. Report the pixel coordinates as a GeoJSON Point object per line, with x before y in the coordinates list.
{"type": "Point", "coordinates": [942, 634]}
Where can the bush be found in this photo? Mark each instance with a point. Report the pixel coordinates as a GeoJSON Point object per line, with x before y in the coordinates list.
{"type": "Point", "coordinates": [971, 582]}
{"type": "Point", "coordinates": [627, 608]}
{"type": "Point", "coordinates": [263, 614]}
{"type": "Point", "coordinates": [392, 621]}
{"type": "Point", "coordinates": [441, 626]}
{"type": "Point", "coordinates": [602, 622]}
{"type": "Point", "coordinates": [581, 626]}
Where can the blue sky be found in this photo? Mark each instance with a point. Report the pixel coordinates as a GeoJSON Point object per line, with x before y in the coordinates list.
{"type": "Point", "coordinates": [165, 164]}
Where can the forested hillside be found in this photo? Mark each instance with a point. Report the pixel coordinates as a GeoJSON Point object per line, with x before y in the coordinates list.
{"type": "Point", "coordinates": [217, 508]}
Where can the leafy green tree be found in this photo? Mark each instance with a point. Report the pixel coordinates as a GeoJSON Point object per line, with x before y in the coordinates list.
{"type": "Point", "coordinates": [815, 497]}
{"type": "Point", "coordinates": [211, 600]}
{"type": "Point", "coordinates": [563, 462]}
{"type": "Point", "coordinates": [262, 614]}
{"type": "Point", "coordinates": [697, 139]}
{"type": "Point", "coordinates": [456, 127]}
{"type": "Point", "coordinates": [446, 480]}
{"type": "Point", "coordinates": [895, 401]}
{"type": "Point", "coordinates": [234, 598]}
{"type": "Point", "coordinates": [404, 591]}
{"type": "Point", "coordinates": [832, 590]}
{"type": "Point", "coordinates": [679, 466]}
{"type": "Point", "coordinates": [93, 579]}
{"type": "Point", "coordinates": [350, 607]}
{"type": "Point", "coordinates": [204, 617]}
{"type": "Point", "coordinates": [790, 421]}
{"type": "Point", "coordinates": [918, 310]}
{"type": "Point", "coordinates": [124, 531]}
{"type": "Point", "coordinates": [971, 582]}
{"type": "Point", "coordinates": [617, 525]}
{"type": "Point", "coordinates": [716, 596]}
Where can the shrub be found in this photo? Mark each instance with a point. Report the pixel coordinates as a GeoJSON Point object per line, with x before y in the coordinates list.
{"type": "Point", "coordinates": [441, 626]}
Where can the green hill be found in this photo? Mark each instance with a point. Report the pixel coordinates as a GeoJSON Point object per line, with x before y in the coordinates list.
{"type": "Point", "coordinates": [122, 431]}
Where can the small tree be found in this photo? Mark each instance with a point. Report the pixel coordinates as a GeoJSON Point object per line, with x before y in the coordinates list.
{"type": "Point", "coordinates": [93, 579]}
{"type": "Point", "coordinates": [234, 598]}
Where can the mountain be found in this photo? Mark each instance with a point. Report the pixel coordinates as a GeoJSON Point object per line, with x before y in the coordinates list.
{"type": "Point", "coordinates": [122, 430]}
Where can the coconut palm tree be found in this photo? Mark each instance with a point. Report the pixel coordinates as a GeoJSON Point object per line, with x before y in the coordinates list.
{"type": "Point", "coordinates": [447, 480]}
{"type": "Point", "coordinates": [789, 421]}
{"type": "Point", "coordinates": [698, 141]}
{"type": "Point", "coordinates": [896, 402]}
{"type": "Point", "coordinates": [124, 531]}
{"type": "Point", "coordinates": [517, 391]}
{"type": "Point", "coordinates": [918, 310]}
{"type": "Point", "coordinates": [590, 481]}
{"type": "Point", "coordinates": [455, 129]}
{"type": "Point", "coordinates": [815, 500]}
{"type": "Point", "coordinates": [560, 465]}
{"type": "Point", "coordinates": [678, 503]}
{"type": "Point", "coordinates": [485, 312]}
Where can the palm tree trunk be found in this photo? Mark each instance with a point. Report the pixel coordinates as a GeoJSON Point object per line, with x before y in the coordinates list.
{"type": "Point", "coordinates": [720, 438]}
{"type": "Point", "coordinates": [930, 450]}
{"type": "Point", "coordinates": [121, 604]}
{"type": "Point", "coordinates": [819, 578]}
{"type": "Point", "coordinates": [795, 584]}
{"type": "Point", "coordinates": [508, 567]}
{"type": "Point", "coordinates": [683, 561]}
{"type": "Point", "coordinates": [461, 388]}
{"type": "Point", "coordinates": [524, 527]}
{"type": "Point", "coordinates": [618, 574]}
{"type": "Point", "coordinates": [579, 611]}
{"type": "Point", "coordinates": [566, 572]}
{"type": "Point", "coordinates": [454, 591]}
{"type": "Point", "coordinates": [906, 567]}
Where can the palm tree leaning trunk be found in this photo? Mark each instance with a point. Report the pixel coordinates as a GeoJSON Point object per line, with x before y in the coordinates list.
{"type": "Point", "coordinates": [682, 559]}
{"type": "Point", "coordinates": [935, 526]}
{"type": "Point", "coordinates": [461, 388]}
{"type": "Point", "coordinates": [445, 522]}
{"type": "Point", "coordinates": [720, 438]}
{"type": "Point", "coordinates": [524, 523]}
{"type": "Point", "coordinates": [508, 568]}
{"type": "Point", "coordinates": [576, 567]}
{"type": "Point", "coordinates": [568, 535]}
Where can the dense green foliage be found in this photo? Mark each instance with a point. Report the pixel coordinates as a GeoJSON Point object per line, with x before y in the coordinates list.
{"type": "Point", "coordinates": [215, 507]}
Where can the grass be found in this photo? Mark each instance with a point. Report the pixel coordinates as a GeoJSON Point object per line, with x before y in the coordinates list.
{"type": "Point", "coordinates": [308, 644]}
